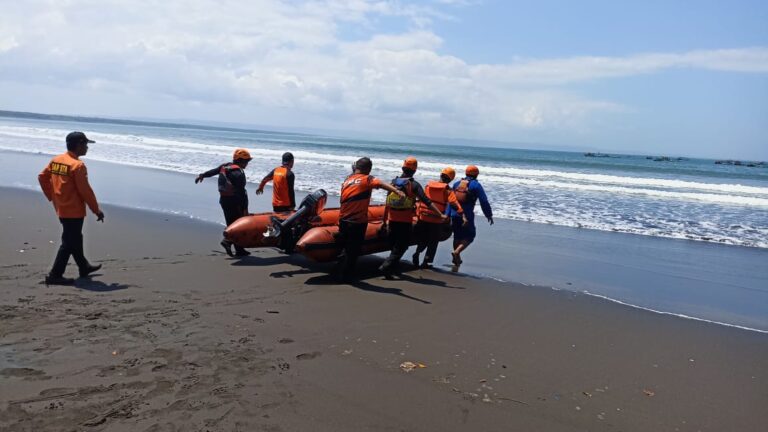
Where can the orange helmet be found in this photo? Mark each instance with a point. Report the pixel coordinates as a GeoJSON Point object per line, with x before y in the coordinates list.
{"type": "Point", "coordinates": [241, 154]}
{"type": "Point", "coordinates": [449, 172]}
{"type": "Point", "coordinates": [411, 163]}
{"type": "Point", "coordinates": [472, 171]}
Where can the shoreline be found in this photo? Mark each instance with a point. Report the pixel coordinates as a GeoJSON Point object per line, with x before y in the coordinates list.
{"type": "Point", "coordinates": [708, 281]}
{"type": "Point", "coordinates": [333, 201]}
{"type": "Point", "coordinates": [672, 314]}
{"type": "Point", "coordinates": [173, 332]}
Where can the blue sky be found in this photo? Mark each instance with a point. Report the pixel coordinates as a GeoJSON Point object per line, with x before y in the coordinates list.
{"type": "Point", "coordinates": [548, 28]}
{"type": "Point", "coordinates": [653, 77]}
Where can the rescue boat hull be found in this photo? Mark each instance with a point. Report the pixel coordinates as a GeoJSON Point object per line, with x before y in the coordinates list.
{"type": "Point", "coordinates": [322, 244]}
{"type": "Point", "coordinates": [248, 231]}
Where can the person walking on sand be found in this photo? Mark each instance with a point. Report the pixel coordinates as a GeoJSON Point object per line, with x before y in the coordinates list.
{"type": "Point", "coordinates": [65, 183]}
{"type": "Point", "coordinates": [468, 191]}
{"type": "Point", "coordinates": [232, 195]}
{"type": "Point", "coordinates": [282, 178]}
{"type": "Point", "coordinates": [353, 214]}
{"type": "Point", "coordinates": [430, 224]}
{"type": "Point", "coordinates": [400, 212]}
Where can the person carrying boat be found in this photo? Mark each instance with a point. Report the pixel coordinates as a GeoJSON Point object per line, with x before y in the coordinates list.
{"type": "Point", "coordinates": [468, 191]}
{"type": "Point", "coordinates": [65, 183]}
{"type": "Point", "coordinates": [430, 224]}
{"type": "Point", "coordinates": [353, 214]}
{"type": "Point", "coordinates": [399, 214]}
{"type": "Point", "coordinates": [232, 195]}
{"type": "Point", "coordinates": [282, 178]}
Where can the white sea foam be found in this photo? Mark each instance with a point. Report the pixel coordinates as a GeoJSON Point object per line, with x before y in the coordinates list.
{"type": "Point", "coordinates": [628, 181]}
{"type": "Point", "coordinates": [679, 315]}
{"type": "Point", "coordinates": [708, 197]}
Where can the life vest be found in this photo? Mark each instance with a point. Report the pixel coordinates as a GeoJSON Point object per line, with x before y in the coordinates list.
{"type": "Point", "coordinates": [436, 191]}
{"type": "Point", "coordinates": [280, 191]}
{"type": "Point", "coordinates": [226, 188]}
{"type": "Point", "coordinates": [402, 209]}
{"type": "Point", "coordinates": [463, 195]}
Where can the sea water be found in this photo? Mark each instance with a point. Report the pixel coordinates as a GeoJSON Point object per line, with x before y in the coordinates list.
{"type": "Point", "coordinates": [684, 198]}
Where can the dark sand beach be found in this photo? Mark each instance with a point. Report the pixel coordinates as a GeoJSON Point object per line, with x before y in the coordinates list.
{"type": "Point", "coordinates": [172, 335]}
{"type": "Point", "coordinates": [713, 282]}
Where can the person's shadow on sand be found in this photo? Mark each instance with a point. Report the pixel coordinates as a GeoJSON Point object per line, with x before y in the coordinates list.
{"type": "Point", "coordinates": [327, 279]}
{"type": "Point", "coordinates": [262, 261]}
{"type": "Point", "coordinates": [367, 269]}
{"type": "Point", "coordinates": [306, 266]}
{"type": "Point", "coordinates": [365, 286]}
{"type": "Point", "coordinates": [427, 281]}
{"type": "Point", "coordinates": [292, 273]}
{"type": "Point", "coordinates": [89, 284]}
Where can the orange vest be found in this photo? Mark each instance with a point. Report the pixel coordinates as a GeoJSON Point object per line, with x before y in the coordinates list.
{"type": "Point", "coordinates": [280, 194]}
{"type": "Point", "coordinates": [226, 189]}
{"type": "Point", "coordinates": [437, 192]}
{"type": "Point", "coordinates": [65, 182]}
{"type": "Point", "coordinates": [402, 209]}
{"type": "Point", "coordinates": [462, 191]}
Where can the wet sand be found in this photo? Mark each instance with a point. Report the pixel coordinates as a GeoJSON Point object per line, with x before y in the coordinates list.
{"type": "Point", "coordinates": [173, 335]}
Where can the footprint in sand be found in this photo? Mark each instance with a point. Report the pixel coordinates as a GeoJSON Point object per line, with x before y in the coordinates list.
{"type": "Point", "coordinates": [309, 356]}
{"type": "Point", "coordinates": [24, 373]}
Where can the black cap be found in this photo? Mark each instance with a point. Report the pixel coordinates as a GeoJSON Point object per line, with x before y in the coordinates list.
{"type": "Point", "coordinates": [75, 138]}
{"type": "Point", "coordinates": [287, 157]}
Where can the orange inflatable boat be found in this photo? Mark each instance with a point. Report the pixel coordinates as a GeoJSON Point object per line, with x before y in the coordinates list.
{"type": "Point", "coordinates": [315, 227]}
{"type": "Point", "coordinates": [249, 231]}
{"type": "Point", "coordinates": [321, 244]}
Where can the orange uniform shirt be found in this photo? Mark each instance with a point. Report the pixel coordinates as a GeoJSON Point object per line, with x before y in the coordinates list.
{"type": "Point", "coordinates": [356, 197]}
{"type": "Point", "coordinates": [65, 183]}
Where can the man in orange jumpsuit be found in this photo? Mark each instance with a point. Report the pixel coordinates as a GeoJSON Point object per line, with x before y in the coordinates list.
{"type": "Point", "coordinates": [65, 183]}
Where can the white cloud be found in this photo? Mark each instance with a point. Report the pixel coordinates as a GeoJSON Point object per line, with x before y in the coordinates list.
{"type": "Point", "coordinates": [575, 69]}
{"type": "Point", "coordinates": [8, 43]}
{"type": "Point", "coordinates": [289, 56]}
